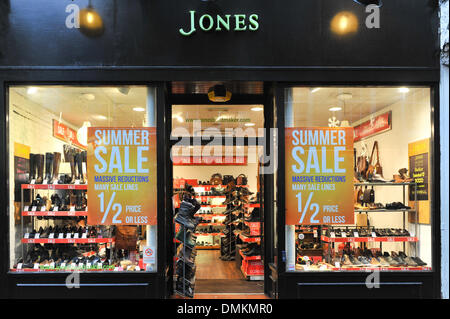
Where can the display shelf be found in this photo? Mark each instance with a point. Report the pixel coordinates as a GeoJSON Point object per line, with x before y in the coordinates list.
{"type": "Point", "coordinates": [210, 224]}
{"type": "Point", "coordinates": [213, 206]}
{"type": "Point", "coordinates": [368, 239]}
{"type": "Point", "coordinates": [67, 240]}
{"type": "Point", "coordinates": [249, 257]}
{"type": "Point", "coordinates": [383, 210]}
{"type": "Point", "coordinates": [57, 213]}
{"type": "Point", "coordinates": [382, 268]}
{"type": "Point", "coordinates": [247, 239]}
{"type": "Point", "coordinates": [54, 186]}
{"type": "Point", "coordinates": [256, 205]}
{"type": "Point", "coordinates": [208, 234]}
{"type": "Point", "coordinates": [384, 184]}
{"type": "Point", "coordinates": [209, 215]}
{"type": "Point", "coordinates": [211, 196]}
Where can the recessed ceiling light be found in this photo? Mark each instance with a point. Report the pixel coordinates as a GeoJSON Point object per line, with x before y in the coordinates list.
{"type": "Point", "coordinates": [138, 109]}
{"type": "Point", "coordinates": [88, 96]}
{"type": "Point", "coordinates": [403, 90]}
{"type": "Point", "coordinates": [257, 109]}
{"type": "Point", "coordinates": [32, 90]}
{"type": "Point", "coordinates": [335, 108]}
{"type": "Point", "coordinates": [249, 124]}
{"type": "Point", "coordinates": [314, 90]}
{"type": "Point", "coordinates": [99, 117]}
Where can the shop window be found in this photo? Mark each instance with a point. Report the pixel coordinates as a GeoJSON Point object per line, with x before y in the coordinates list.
{"type": "Point", "coordinates": [82, 164]}
{"type": "Point", "coordinates": [358, 182]}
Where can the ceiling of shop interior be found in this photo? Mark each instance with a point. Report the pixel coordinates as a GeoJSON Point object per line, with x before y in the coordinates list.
{"type": "Point", "coordinates": [310, 109]}
{"type": "Point", "coordinates": [202, 87]}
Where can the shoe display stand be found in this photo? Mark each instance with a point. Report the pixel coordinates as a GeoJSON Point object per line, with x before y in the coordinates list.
{"type": "Point", "coordinates": [362, 235]}
{"type": "Point", "coordinates": [31, 213]}
{"type": "Point", "coordinates": [185, 238]}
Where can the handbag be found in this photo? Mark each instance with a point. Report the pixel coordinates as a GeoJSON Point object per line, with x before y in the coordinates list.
{"type": "Point", "coordinates": [216, 179]}
{"type": "Point", "coordinates": [241, 180]}
{"type": "Point", "coordinates": [126, 237]}
{"type": "Point", "coordinates": [227, 178]}
{"type": "Point", "coordinates": [357, 195]}
{"type": "Point", "coordinates": [374, 169]}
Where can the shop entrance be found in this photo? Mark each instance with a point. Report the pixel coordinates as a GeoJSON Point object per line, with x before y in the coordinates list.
{"type": "Point", "coordinates": [217, 140]}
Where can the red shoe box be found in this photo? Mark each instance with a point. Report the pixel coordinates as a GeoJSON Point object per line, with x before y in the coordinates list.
{"type": "Point", "coordinates": [255, 228]}
{"type": "Point", "coordinates": [253, 267]}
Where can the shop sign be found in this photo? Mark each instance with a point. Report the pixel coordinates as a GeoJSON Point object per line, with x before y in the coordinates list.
{"type": "Point", "coordinates": [319, 176]}
{"type": "Point", "coordinates": [66, 134]}
{"type": "Point", "coordinates": [376, 125]}
{"type": "Point", "coordinates": [121, 176]}
{"type": "Point", "coordinates": [226, 22]}
{"type": "Point", "coordinates": [149, 255]}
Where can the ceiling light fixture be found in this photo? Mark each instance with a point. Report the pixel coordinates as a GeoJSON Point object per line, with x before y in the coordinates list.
{"type": "Point", "coordinates": [91, 23]}
{"type": "Point", "coordinates": [32, 90]}
{"type": "Point", "coordinates": [99, 117]}
{"type": "Point", "coordinates": [138, 109]}
{"type": "Point", "coordinates": [88, 96]}
{"type": "Point", "coordinates": [314, 90]}
{"type": "Point", "coordinates": [249, 124]}
{"type": "Point", "coordinates": [219, 93]}
{"type": "Point", "coordinates": [335, 108]}
{"type": "Point", "coordinates": [403, 90]}
{"type": "Point", "coordinates": [257, 109]}
{"type": "Point", "coordinates": [124, 90]}
{"type": "Point", "coordinates": [344, 23]}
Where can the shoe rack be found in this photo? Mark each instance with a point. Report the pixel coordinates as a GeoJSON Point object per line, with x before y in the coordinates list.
{"type": "Point", "coordinates": [352, 236]}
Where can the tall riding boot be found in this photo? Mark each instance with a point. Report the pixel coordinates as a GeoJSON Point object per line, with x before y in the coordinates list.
{"type": "Point", "coordinates": [79, 161]}
{"type": "Point", "coordinates": [71, 160]}
{"type": "Point", "coordinates": [48, 167]}
{"type": "Point", "coordinates": [84, 154]}
{"type": "Point", "coordinates": [56, 162]}
{"type": "Point", "coordinates": [40, 168]}
{"type": "Point", "coordinates": [32, 163]}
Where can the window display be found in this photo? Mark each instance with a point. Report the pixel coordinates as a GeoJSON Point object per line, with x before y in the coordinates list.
{"type": "Point", "coordinates": [51, 131]}
{"type": "Point", "coordinates": [357, 162]}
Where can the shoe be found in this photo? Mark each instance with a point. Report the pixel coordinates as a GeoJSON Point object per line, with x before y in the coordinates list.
{"type": "Point", "coordinates": [32, 174]}
{"type": "Point", "coordinates": [40, 168]}
{"type": "Point", "coordinates": [56, 163]}
{"type": "Point", "coordinates": [419, 261]}
{"type": "Point", "coordinates": [48, 167]}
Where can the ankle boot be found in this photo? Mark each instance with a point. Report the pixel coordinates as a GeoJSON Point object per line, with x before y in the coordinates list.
{"type": "Point", "coordinates": [32, 163]}
{"type": "Point", "coordinates": [79, 162]}
{"type": "Point", "coordinates": [48, 167]}
{"type": "Point", "coordinates": [56, 162]}
{"type": "Point", "coordinates": [40, 168]}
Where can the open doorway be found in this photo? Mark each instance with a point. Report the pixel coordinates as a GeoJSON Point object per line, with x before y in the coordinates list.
{"type": "Point", "coordinates": [217, 199]}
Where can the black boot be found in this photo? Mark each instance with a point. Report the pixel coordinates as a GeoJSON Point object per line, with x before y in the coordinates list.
{"type": "Point", "coordinates": [32, 163]}
{"type": "Point", "coordinates": [79, 164]}
{"type": "Point", "coordinates": [39, 160]}
{"type": "Point", "coordinates": [48, 167]}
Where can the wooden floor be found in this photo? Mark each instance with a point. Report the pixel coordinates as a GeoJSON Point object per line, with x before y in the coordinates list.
{"type": "Point", "coordinates": [209, 266]}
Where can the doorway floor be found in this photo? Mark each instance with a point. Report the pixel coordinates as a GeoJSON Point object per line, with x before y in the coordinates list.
{"type": "Point", "coordinates": [215, 276]}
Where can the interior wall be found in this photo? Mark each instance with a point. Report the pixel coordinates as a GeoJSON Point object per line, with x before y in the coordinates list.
{"type": "Point", "coordinates": [411, 121]}
{"type": "Point", "coordinates": [29, 124]}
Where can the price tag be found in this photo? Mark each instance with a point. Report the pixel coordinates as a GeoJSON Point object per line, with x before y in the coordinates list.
{"type": "Point", "coordinates": [26, 236]}
{"type": "Point", "coordinates": [61, 236]}
{"type": "Point", "coordinates": [36, 266]}
{"type": "Point", "coordinates": [77, 182]}
{"type": "Point", "coordinates": [84, 235]}
{"type": "Point", "coordinates": [63, 265]}
{"type": "Point", "coordinates": [344, 235]}
{"type": "Point", "coordinates": [26, 208]}
{"type": "Point", "coordinates": [75, 236]}
{"type": "Point", "coordinates": [36, 236]}
{"type": "Point", "coordinates": [116, 268]}
{"type": "Point", "coordinates": [137, 268]}
{"type": "Point", "coordinates": [73, 265]}
{"type": "Point", "coordinates": [55, 209]}
{"type": "Point", "coordinates": [44, 182]}
{"type": "Point", "coordinates": [337, 264]}
{"type": "Point", "coordinates": [72, 209]}
{"type": "Point", "coordinates": [374, 235]}
{"type": "Point", "coordinates": [99, 265]}
{"type": "Point", "coordinates": [55, 182]}
{"type": "Point", "coordinates": [52, 265]}
{"type": "Point", "coordinates": [33, 209]}
{"type": "Point", "coordinates": [315, 233]}
{"type": "Point", "coordinates": [355, 234]}
{"type": "Point", "coordinates": [33, 181]}
{"type": "Point", "coordinates": [332, 234]}
{"type": "Point", "coordinates": [43, 209]}
{"type": "Point", "coordinates": [69, 235]}
{"type": "Point", "coordinates": [88, 265]}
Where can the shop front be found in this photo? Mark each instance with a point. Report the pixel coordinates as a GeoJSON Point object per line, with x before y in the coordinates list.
{"type": "Point", "coordinates": [192, 148]}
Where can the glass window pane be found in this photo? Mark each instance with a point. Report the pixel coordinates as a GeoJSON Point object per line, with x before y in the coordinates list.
{"type": "Point", "coordinates": [53, 135]}
{"type": "Point", "coordinates": [358, 178]}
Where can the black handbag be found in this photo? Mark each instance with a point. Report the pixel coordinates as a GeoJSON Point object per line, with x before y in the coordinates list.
{"type": "Point", "coordinates": [369, 196]}
{"type": "Point", "coordinates": [227, 178]}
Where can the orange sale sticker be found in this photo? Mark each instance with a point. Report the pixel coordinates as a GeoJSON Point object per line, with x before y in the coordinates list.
{"type": "Point", "coordinates": [121, 169]}
{"type": "Point", "coordinates": [319, 176]}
